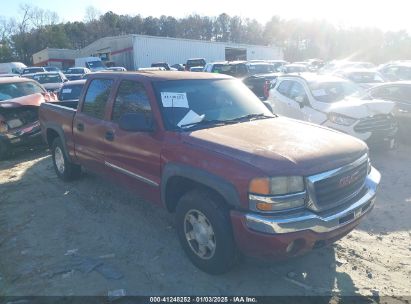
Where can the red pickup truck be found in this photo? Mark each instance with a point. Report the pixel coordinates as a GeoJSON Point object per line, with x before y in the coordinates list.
{"type": "Point", "coordinates": [241, 180]}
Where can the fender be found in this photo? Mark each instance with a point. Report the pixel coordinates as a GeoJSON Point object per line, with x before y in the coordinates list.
{"type": "Point", "coordinates": [215, 182]}
{"type": "Point", "coordinates": [57, 128]}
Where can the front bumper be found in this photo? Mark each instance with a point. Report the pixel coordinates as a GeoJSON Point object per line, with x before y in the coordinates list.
{"type": "Point", "coordinates": [271, 235]}
{"type": "Point", "coordinates": [26, 135]}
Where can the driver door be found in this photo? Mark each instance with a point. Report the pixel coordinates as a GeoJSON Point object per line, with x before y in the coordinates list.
{"type": "Point", "coordinates": [297, 100]}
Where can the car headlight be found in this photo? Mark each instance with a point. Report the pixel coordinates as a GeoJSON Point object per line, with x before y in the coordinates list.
{"type": "Point", "coordinates": [341, 119]}
{"type": "Point", "coordinates": [277, 193]}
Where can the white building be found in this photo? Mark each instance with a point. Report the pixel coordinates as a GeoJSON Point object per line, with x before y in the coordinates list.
{"type": "Point", "coordinates": [135, 51]}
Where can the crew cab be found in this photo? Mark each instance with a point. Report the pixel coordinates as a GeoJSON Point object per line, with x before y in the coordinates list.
{"type": "Point", "coordinates": [336, 103]}
{"type": "Point", "coordinates": [240, 179]}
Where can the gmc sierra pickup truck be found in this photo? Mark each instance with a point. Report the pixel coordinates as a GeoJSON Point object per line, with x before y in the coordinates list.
{"type": "Point", "coordinates": [241, 180]}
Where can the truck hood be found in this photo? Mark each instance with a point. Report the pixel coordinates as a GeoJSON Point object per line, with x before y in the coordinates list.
{"type": "Point", "coordinates": [361, 108]}
{"type": "Point", "coordinates": [280, 146]}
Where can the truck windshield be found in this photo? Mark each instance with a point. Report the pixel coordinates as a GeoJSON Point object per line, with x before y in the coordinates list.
{"type": "Point", "coordinates": [18, 89]}
{"type": "Point", "coordinates": [191, 102]}
{"type": "Point", "coordinates": [334, 91]}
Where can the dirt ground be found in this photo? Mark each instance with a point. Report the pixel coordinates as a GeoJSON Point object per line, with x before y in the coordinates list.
{"type": "Point", "coordinates": [90, 237]}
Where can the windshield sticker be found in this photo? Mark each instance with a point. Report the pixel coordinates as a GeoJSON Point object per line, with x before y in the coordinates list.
{"type": "Point", "coordinates": [174, 100]}
{"type": "Point", "coordinates": [190, 118]}
{"type": "Point", "coordinates": [318, 93]}
{"type": "Point", "coordinates": [66, 91]}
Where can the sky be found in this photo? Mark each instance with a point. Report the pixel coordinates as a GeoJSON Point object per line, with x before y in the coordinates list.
{"type": "Point", "coordinates": [386, 15]}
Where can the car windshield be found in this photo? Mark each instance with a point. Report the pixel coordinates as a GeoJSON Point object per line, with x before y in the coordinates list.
{"type": "Point", "coordinates": [18, 89]}
{"type": "Point", "coordinates": [333, 91]}
{"type": "Point", "coordinates": [48, 78]}
{"type": "Point", "coordinates": [365, 77]}
{"type": "Point", "coordinates": [261, 68]}
{"type": "Point", "coordinates": [71, 92]}
{"type": "Point", "coordinates": [193, 102]}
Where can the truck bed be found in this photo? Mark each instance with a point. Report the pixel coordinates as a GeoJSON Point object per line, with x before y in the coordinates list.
{"type": "Point", "coordinates": [59, 117]}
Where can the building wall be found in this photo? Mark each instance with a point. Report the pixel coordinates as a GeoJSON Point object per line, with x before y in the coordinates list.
{"type": "Point", "coordinates": [118, 50]}
{"type": "Point", "coordinates": [135, 51]}
{"type": "Point", "coordinates": [149, 49]}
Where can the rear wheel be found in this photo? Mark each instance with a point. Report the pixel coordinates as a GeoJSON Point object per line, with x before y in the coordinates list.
{"type": "Point", "coordinates": [205, 233]}
{"type": "Point", "coordinates": [65, 169]}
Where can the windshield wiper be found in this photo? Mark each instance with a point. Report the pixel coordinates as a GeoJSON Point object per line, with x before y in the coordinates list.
{"type": "Point", "coordinates": [214, 122]}
{"type": "Point", "coordinates": [251, 117]}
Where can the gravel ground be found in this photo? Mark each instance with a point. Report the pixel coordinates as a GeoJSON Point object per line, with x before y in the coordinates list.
{"type": "Point", "coordinates": [90, 237]}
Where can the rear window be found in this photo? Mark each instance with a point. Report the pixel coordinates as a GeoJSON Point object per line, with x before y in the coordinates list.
{"type": "Point", "coordinates": [32, 70]}
{"type": "Point", "coordinates": [18, 89]}
{"type": "Point", "coordinates": [196, 62]}
{"type": "Point", "coordinates": [71, 92]}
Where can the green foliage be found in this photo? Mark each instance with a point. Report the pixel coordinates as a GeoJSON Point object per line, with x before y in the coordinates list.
{"type": "Point", "coordinates": [37, 29]}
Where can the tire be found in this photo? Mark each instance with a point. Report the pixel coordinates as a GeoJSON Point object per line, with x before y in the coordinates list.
{"type": "Point", "coordinates": [65, 170]}
{"type": "Point", "coordinates": [208, 209]}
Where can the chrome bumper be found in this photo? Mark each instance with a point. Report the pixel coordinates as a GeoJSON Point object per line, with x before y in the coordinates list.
{"type": "Point", "coordinates": [326, 222]}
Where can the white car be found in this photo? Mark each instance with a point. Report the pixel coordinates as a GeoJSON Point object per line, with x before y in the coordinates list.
{"type": "Point", "coordinates": [335, 103]}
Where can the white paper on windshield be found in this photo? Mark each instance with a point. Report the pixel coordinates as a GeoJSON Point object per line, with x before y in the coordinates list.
{"type": "Point", "coordinates": [190, 118]}
{"type": "Point", "coordinates": [318, 93]}
{"type": "Point", "coordinates": [176, 100]}
{"type": "Point", "coordinates": [66, 91]}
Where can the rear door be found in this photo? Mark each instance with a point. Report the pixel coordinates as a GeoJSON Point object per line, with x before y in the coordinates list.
{"type": "Point", "coordinates": [89, 125]}
{"type": "Point", "coordinates": [279, 96]}
{"type": "Point", "coordinates": [133, 157]}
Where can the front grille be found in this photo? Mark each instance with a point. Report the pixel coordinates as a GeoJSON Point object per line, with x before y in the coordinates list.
{"type": "Point", "coordinates": [375, 123]}
{"type": "Point", "coordinates": [340, 188]}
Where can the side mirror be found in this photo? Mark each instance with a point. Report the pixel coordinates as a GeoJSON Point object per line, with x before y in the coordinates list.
{"type": "Point", "coordinates": [136, 122]}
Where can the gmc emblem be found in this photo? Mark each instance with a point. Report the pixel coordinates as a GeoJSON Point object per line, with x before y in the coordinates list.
{"type": "Point", "coordinates": [349, 179]}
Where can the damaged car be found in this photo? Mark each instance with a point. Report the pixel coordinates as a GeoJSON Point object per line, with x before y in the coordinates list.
{"type": "Point", "coordinates": [20, 99]}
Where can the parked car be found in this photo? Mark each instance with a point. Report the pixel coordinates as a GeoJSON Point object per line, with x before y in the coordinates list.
{"type": "Point", "coordinates": [11, 67]}
{"type": "Point", "coordinates": [240, 69]}
{"type": "Point", "coordinates": [178, 67]}
{"type": "Point", "coordinates": [215, 67]}
{"type": "Point", "coordinates": [277, 64]}
{"type": "Point", "coordinates": [32, 70]}
{"type": "Point", "coordinates": [52, 69]}
{"type": "Point", "coordinates": [76, 73]}
{"type": "Point", "coordinates": [195, 62]}
{"type": "Point", "coordinates": [294, 68]}
{"type": "Point", "coordinates": [397, 71]}
{"type": "Point", "coordinates": [400, 93]}
{"type": "Point", "coordinates": [71, 90]}
{"type": "Point", "coordinates": [197, 69]}
{"type": "Point", "coordinates": [161, 65]}
{"type": "Point", "coordinates": [51, 81]}
{"type": "Point", "coordinates": [261, 84]}
{"type": "Point", "coordinates": [335, 103]}
{"type": "Point", "coordinates": [117, 69]}
{"type": "Point", "coordinates": [20, 99]}
{"type": "Point", "coordinates": [365, 78]}
{"type": "Point", "coordinates": [239, 178]}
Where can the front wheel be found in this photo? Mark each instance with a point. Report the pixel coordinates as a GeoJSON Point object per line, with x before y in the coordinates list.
{"type": "Point", "coordinates": [64, 168]}
{"type": "Point", "coordinates": [205, 233]}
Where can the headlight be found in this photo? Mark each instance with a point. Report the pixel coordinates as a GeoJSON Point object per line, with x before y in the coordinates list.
{"type": "Point", "coordinates": [276, 193]}
{"type": "Point", "coordinates": [341, 119]}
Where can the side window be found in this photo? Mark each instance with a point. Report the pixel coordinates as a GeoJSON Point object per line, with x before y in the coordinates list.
{"type": "Point", "coordinates": [131, 98]}
{"type": "Point", "coordinates": [96, 97]}
{"type": "Point", "coordinates": [284, 87]}
{"type": "Point", "coordinates": [297, 90]}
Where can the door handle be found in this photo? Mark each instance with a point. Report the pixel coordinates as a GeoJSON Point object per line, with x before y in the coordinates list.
{"type": "Point", "coordinates": [80, 127]}
{"type": "Point", "coordinates": [109, 135]}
